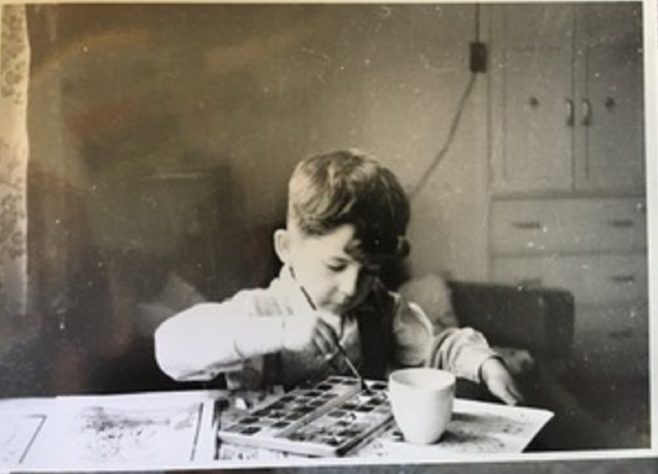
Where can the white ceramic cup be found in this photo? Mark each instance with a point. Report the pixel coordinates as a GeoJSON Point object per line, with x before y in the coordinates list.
{"type": "Point", "coordinates": [422, 400]}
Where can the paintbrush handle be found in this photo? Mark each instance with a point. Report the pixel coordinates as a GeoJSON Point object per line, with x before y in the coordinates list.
{"type": "Point", "coordinates": [350, 364]}
{"type": "Point", "coordinates": [341, 349]}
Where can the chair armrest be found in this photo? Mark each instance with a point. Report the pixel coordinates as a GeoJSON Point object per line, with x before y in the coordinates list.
{"type": "Point", "coordinates": [538, 319]}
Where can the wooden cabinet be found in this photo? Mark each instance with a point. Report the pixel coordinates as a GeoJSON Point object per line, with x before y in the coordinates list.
{"type": "Point", "coordinates": [567, 102]}
{"type": "Point", "coordinates": [595, 248]}
{"type": "Point", "coordinates": [567, 169]}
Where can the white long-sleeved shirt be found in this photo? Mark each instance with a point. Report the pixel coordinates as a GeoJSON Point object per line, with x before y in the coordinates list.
{"type": "Point", "coordinates": [242, 337]}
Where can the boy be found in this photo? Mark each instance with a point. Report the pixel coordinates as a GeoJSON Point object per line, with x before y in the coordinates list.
{"type": "Point", "coordinates": [347, 215]}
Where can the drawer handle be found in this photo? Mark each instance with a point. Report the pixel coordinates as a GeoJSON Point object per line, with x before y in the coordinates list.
{"type": "Point", "coordinates": [527, 225]}
{"type": "Point", "coordinates": [587, 113]}
{"type": "Point", "coordinates": [621, 223]}
{"type": "Point", "coordinates": [529, 283]}
{"type": "Point", "coordinates": [621, 334]}
{"type": "Point", "coordinates": [623, 279]}
{"type": "Point", "coordinates": [641, 207]}
{"type": "Point", "coordinates": [570, 114]}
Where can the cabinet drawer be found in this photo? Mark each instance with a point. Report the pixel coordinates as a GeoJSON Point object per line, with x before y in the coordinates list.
{"type": "Point", "coordinates": [592, 225]}
{"type": "Point", "coordinates": [612, 339]}
{"type": "Point", "coordinates": [612, 321]}
{"type": "Point", "coordinates": [592, 279]}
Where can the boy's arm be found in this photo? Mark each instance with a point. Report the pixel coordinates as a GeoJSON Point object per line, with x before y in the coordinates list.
{"type": "Point", "coordinates": [458, 350]}
{"type": "Point", "coordinates": [463, 351]}
{"type": "Point", "coordinates": [209, 338]}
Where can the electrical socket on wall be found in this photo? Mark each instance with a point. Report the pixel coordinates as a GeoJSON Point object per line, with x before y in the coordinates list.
{"type": "Point", "coordinates": [478, 57]}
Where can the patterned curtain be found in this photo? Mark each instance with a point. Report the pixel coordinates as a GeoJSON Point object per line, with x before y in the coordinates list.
{"type": "Point", "coordinates": [14, 71]}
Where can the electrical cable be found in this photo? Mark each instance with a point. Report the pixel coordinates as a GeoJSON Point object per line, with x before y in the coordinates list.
{"type": "Point", "coordinates": [455, 122]}
{"type": "Point", "coordinates": [477, 22]}
{"type": "Point", "coordinates": [446, 146]}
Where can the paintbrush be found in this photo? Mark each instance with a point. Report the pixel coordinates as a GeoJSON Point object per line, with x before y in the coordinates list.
{"type": "Point", "coordinates": [341, 349]}
{"type": "Point", "coordinates": [352, 367]}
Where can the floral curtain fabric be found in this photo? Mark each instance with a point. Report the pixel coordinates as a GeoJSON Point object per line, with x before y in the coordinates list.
{"type": "Point", "coordinates": [14, 72]}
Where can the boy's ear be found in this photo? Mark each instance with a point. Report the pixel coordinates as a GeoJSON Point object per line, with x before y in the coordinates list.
{"type": "Point", "coordinates": [282, 245]}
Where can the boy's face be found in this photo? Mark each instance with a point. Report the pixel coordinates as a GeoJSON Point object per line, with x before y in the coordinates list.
{"type": "Point", "coordinates": [323, 266]}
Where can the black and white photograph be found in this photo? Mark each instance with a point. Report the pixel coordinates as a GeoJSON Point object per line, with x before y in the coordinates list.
{"type": "Point", "coordinates": [366, 235]}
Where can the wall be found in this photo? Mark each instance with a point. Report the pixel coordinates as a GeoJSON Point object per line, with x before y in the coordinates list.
{"type": "Point", "coordinates": [163, 134]}
{"type": "Point", "coordinates": [259, 87]}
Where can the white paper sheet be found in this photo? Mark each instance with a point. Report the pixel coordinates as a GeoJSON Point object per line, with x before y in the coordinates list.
{"type": "Point", "coordinates": [21, 421]}
{"type": "Point", "coordinates": [166, 429]}
{"type": "Point", "coordinates": [177, 429]}
{"type": "Point", "coordinates": [475, 428]}
{"type": "Point", "coordinates": [17, 433]}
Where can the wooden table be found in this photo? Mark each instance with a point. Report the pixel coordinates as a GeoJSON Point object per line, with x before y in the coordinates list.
{"type": "Point", "coordinates": [178, 429]}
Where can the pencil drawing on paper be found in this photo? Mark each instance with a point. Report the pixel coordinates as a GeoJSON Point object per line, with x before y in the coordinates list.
{"type": "Point", "coordinates": [122, 435]}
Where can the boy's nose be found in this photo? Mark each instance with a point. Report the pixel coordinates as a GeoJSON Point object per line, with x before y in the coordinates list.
{"type": "Point", "coordinates": [348, 282]}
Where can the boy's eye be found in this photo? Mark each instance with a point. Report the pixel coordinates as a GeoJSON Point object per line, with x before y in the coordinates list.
{"type": "Point", "coordinates": [336, 267]}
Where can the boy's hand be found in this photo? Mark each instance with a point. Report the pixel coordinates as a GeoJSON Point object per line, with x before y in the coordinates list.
{"type": "Point", "coordinates": [300, 332]}
{"type": "Point", "coordinates": [499, 381]}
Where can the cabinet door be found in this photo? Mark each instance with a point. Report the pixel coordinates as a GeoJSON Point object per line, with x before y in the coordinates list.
{"type": "Point", "coordinates": [537, 121]}
{"type": "Point", "coordinates": [611, 146]}
{"type": "Point", "coordinates": [532, 99]}
{"type": "Point", "coordinates": [533, 26]}
{"type": "Point", "coordinates": [609, 98]}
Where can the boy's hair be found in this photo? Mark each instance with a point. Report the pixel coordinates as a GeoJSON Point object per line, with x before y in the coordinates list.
{"type": "Point", "coordinates": [348, 187]}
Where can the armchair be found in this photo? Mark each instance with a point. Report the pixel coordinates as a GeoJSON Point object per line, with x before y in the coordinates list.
{"type": "Point", "coordinates": [534, 324]}
{"type": "Point", "coordinates": [540, 320]}
{"type": "Point", "coordinates": [531, 328]}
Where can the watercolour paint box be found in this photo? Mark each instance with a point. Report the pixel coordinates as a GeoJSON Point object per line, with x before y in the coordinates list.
{"type": "Point", "coordinates": [327, 418]}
